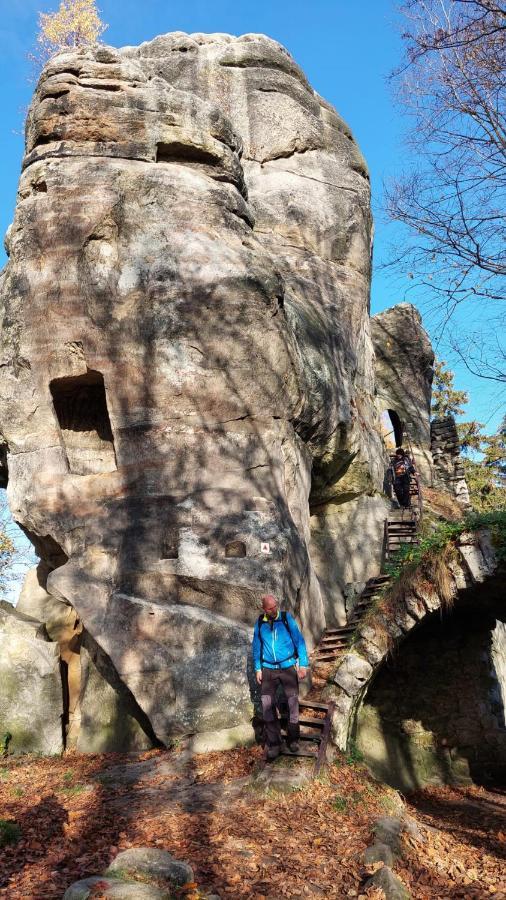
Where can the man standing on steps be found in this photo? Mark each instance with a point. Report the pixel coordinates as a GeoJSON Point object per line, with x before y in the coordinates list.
{"type": "Point", "coordinates": [280, 659]}
{"type": "Point", "coordinates": [402, 469]}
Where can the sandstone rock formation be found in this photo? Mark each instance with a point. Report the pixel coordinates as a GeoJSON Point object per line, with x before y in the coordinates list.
{"type": "Point", "coordinates": [31, 701]}
{"type": "Point", "coordinates": [187, 368]}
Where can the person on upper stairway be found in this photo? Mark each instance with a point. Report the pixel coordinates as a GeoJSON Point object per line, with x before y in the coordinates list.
{"type": "Point", "coordinates": [401, 470]}
{"type": "Point", "coordinates": [280, 660]}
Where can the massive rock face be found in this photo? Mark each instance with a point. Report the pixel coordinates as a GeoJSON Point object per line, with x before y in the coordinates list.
{"type": "Point", "coordinates": [186, 362]}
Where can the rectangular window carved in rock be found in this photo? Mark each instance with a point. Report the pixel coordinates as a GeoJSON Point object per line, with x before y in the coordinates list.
{"type": "Point", "coordinates": [81, 409]}
{"type": "Point", "coordinates": [170, 543]}
{"type": "Point", "coordinates": [235, 550]}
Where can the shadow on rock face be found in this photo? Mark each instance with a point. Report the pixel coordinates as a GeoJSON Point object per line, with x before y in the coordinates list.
{"type": "Point", "coordinates": [189, 270]}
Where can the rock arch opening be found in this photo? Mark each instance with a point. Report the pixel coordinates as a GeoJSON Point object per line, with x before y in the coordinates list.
{"type": "Point", "coordinates": [4, 471]}
{"type": "Point", "coordinates": [435, 712]}
{"type": "Point", "coordinates": [80, 405]}
{"type": "Point", "coordinates": [392, 429]}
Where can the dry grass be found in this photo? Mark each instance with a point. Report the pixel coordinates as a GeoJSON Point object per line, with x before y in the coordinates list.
{"type": "Point", "coordinates": [442, 504]}
{"type": "Point", "coordinates": [431, 577]}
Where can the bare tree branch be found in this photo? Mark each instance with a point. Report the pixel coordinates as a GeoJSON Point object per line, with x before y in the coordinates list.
{"type": "Point", "coordinates": [453, 201]}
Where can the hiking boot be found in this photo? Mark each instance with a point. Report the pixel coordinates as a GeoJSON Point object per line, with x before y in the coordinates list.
{"type": "Point", "coordinates": [293, 747]}
{"type": "Point", "coordinates": [273, 752]}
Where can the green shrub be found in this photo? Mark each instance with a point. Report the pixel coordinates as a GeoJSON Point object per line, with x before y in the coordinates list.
{"type": "Point", "coordinates": [4, 743]}
{"type": "Point", "coordinates": [10, 832]}
{"type": "Point", "coordinates": [340, 803]}
{"type": "Point", "coordinates": [446, 533]}
{"type": "Point", "coordinates": [354, 755]}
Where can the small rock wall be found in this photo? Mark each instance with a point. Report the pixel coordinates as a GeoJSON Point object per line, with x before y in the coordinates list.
{"type": "Point", "coordinates": [448, 469]}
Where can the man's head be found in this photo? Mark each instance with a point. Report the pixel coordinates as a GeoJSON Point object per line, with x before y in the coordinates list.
{"type": "Point", "coordinates": [270, 606]}
{"type": "Point", "coordinates": [399, 451]}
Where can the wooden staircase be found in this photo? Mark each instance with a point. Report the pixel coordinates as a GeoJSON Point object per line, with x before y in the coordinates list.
{"type": "Point", "coordinates": [400, 528]}
{"type": "Point", "coordinates": [335, 640]}
{"type": "Point", "coordinates": [315, 723]}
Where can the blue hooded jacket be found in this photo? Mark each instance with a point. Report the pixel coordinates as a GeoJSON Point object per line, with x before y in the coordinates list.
{"type": "Point", "coordinates": [277, 644]}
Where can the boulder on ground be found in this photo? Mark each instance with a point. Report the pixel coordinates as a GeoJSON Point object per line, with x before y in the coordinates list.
{"type": "Point", "coordinates": [150, 863]}
{"type": "Point", "coordinates": [378, 853]}
{"type": "Point", "coordinates": [114, 889]}
{"type": "Point", "coordinates": [392, 887]}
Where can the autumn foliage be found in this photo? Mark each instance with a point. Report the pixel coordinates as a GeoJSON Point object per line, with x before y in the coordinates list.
{"type": "Point", "coordinates": [75, 813]}
{"type": "Point", "coordinates": [76, 23]}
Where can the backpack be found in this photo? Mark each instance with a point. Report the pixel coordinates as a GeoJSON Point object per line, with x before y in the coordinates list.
{"type": "Point", "coordinates": [400, 467]}
{"type": "Point", "coordinates": [284, 619]}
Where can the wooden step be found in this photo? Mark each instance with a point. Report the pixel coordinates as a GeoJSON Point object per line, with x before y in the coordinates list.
{"type": "Point", "coordinates": [309, 704]}
{"type": "Point", "coordinates": [331, 648]}
{"type": "Point", "coordinates": [311, 754]}
{"type": "Point", "coordinates": [314, 738]}
{"type": "Point", "coordinates": [334, 645]}
{"type": "Point", "coordinates": [343, 639]}
{"type": "Point", "coordinates": [311, 723]}
{"type": "Point", "coordinates": [328, 648]}
{"type": "Point", "coordinates": [331, 632]}
{"type": "Point", "coordinates": [405, 540]}
{"type": "Point", "coordinates": [338, 636]}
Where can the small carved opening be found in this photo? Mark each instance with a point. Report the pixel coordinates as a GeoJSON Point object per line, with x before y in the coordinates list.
{"type": "Point", "coordinates": [55, 95]}
{"type": "Point", "coordinates": [81, 409]}
{"type": "Point", "coordinates": [184, 153]}
{"type": "Point", "coordinates": [45, 139]}
{"type": "Point", "coordinates": [235, 549]}
{"type": "Point", "coordinates": [170, 544]}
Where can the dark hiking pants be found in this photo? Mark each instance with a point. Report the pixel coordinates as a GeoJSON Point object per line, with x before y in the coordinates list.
{"type": "Point", "coordinates": [401, 488]}
{"type": "Point", "coordinates": [288, 679]}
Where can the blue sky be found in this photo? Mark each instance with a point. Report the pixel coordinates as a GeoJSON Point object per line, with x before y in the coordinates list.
{"type": "Point", "coordinates": [347, 50]}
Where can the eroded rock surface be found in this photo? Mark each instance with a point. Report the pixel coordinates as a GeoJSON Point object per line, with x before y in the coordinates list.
{"type": "Point", "coordinates": [186, 362]}
{"type": "Point", "coordinates": [31, 701]}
